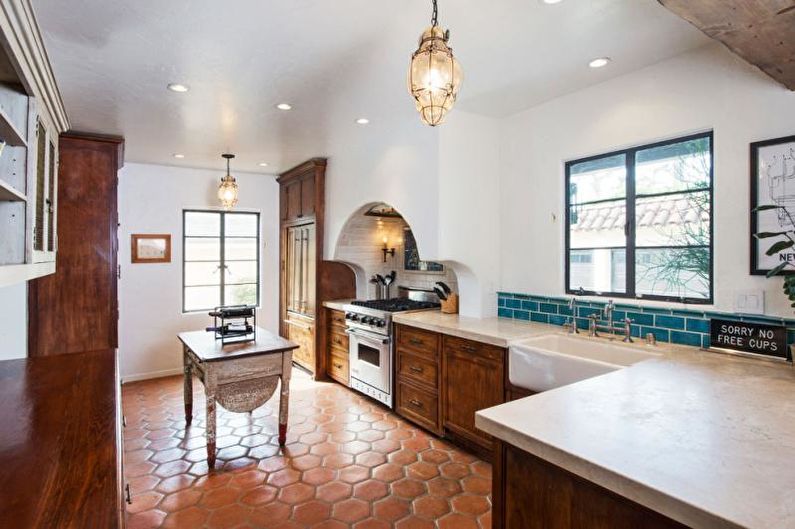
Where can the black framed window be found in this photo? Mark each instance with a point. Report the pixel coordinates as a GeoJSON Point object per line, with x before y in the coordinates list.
{"type": "Point", "coordinates": [639, 222]}
{"type": "Point", "coordinates": [220, 259]}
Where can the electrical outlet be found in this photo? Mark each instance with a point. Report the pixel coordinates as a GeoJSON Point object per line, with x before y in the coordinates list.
{"type": "Point", "coordinates": [749, 301]}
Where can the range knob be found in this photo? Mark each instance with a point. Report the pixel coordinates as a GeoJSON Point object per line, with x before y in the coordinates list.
{"type": "Point", "coordinates": [380, 323]}
{"type": "Point", "coordinates": [351, 316]}
{"type": "Point", "coordinates": [367, 320]}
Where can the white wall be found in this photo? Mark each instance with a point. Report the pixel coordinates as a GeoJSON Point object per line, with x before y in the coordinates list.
{"type": "Point", "coordinates": [14, 321]}
{"type": "Point", "coordinates": [151, 200]}
{"type": "Point", "coordinates": [705, 89]}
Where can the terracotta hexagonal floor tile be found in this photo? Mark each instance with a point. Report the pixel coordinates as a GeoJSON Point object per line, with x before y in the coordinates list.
{"type": "Point", "coordinates": [248, 479]}
{"type": "Point", "coordinates": [457, 521]}
{"type": "Point", "coordinates": [370, 490]}
{"type": "Point", "coordinates": [386, 446]}
{"type": "Point", "coordinates": [273, 464]}
{"type": "Point", "coordinates": [254, 440]}
{"type": "Point", "coordinates": [146, 520]}
{"type": "Point", "coordinates": [391, 509]}
{"type": "Point", "coordinates": [139, 469]}
{"type": "Point", "coordinates": [270, 514]}
{"type": "Point", "coordinates": [444, 487]}
{"type": "Point", "coordinates": [263, 452]}
{"type": "Point", "coordinates": [417, 444]}
{"type": "Point", "coordinates": [370, 459]}
{"type": "Point", "coordinates": [190, 517]}
{"type": "Point", "coordinates": [470, 504]}
{"type": "Point", "coordinates": [136, 456]}
{"type": "Point", "coordinates": [318, 476]}
{"type": "Point", "coordinates": [142, 483]}
{"type": "Point", "coordinates": [431, 507]}
{"type": "Point", "coordinates": [338, 460]}
{"type": "Point", "coordinates": [414, 522]}
{"type": "Point", "coordinates": [296, 493]}
{"type": "Point", "coordinates": [408, 488]}
{"type": "Point", "coordinates": [388, 472]}
{"type": "Point", "coordinates": [172, 468]}
{"type": "Point", "coordinates": [351, 510]}
{"type": "Point", "coordinates": [180, 500]}
{"type": "Point", "coordinates": [400, 434]}
{"type": "Point", "coordinates": [259, 495]}
{"type": "Point", "coordinates": [454, 470]}
{"type": "Point", "coordinates": [175, 483]}
{"type": "Point", "coordinates": [435, 456]}
{"type": "Point", "coordinates": [485, 520]}
{"type": "Point", "coordinates": [403, 457]}
{"type": "Point", "coordinates": [284, 477]}
{"type": "Point", "coordinates": [311, 513]}
{"type": "Point", "coordinates": [219, 497]}
{"type": "Point", "coordinates": [372, 523]}
{"type": "Point", "coordinates": [213, 481]}
{"type": "Point", "coordinates": [355, 447]}
{"type": "Point", "coordinates": [313, 438]}
{"type": "Point", "coordinates": [354, 474]}
{"type": "Point", "coordinates": [481, 468]}
{"type": "Point", "coordinates": [476, 485]}
{"type": "Point", "coordinates": [228, 516]}
{"type": "Point", "coordinates": [342, 437]}
{"type": "Point", "coordinates": [422, 470]}
{"type": "Point", "coordinates": [306, 462]}
{"type": "Point", "coordinates": [369, 436]}
{"type": "Point", "coordinates": [144, 501]}
{"type": "Point", "coordinates": [334, 491]}
{"type": "Point", "coordinates": [324, 449]}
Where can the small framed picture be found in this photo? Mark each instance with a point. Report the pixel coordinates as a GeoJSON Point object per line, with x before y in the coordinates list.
{"type": "Point", "coordinates": [772, 184]}
{"type": "Point", "coordinates": [151, 248]}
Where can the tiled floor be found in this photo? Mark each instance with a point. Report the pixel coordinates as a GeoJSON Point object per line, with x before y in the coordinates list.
{"type": "Point", "coordinates": [348, 463]}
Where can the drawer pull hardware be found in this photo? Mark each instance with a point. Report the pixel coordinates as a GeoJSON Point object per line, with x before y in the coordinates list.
{"type": "Point", "coordinates": [124, 421]}
{"type": "Point", "coordinates": [415, 369]}
{"type": "Point", "coordinates": [469, 348]}
{"type": "Point", "coordinates": [127, 495]}
{"type": "Point", "coordinates": [338, 366]}
{"type": "Point", "coordinates": [415, 341]}
{"type": "Point", "coordinates": [416, 403]}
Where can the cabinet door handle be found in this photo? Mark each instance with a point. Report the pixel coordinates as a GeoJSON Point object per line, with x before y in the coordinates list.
{"type": "Point", "coordinates": [338, 366]}
{"type": "Point", "coordinates": [415, 369]}
{"type": "Point", "coordinates": [127, 495]}
{"type": "Point", "coordinates": [124, 421]}
{"type": "Point", "coordinates": [415, 341]}
{"type": "Point", "coordinates": [469, 348]}
{"type": "Point", "coordinates": [415, 403]}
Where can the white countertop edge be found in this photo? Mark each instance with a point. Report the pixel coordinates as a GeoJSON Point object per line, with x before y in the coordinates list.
{"type": "Point", "coordinates": [675, 508]}
{"type": "Point", "coordinates": [337, 304]}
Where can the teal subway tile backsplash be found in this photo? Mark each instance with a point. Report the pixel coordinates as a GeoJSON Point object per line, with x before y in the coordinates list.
{"type": "Point", "coordinates": [681, 326]}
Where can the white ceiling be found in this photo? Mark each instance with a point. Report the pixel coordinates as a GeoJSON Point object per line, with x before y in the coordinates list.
{"type": "Point", "coordinates": [114, 58]}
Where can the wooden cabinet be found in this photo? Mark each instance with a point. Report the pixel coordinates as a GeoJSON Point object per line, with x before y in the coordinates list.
{"type": "Point", "coordinates": [300, 330]}
{"type": "Point", "coordinates": [530, 493]}
{"type": "Point", "coordinates": [338, 360]}
{"type": "Point", "coordinates": [301, 269]}
{"type": "Point", "coordinates": [31, 119]}
{"type": "Point", "coordinates": [474, 376]}
{"type": "Point", "coordinates": [418, 368]}
{"type": "Point", "coordinates": [298, 200]}
{"type": "Point", "coordinates": [443, 380]}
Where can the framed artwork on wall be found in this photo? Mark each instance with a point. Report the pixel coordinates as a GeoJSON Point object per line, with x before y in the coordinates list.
{"type": "Point", "coordinates": [151, 248]}
{"type": "Point", "coordinates": [411, 256]}
{"type": "Point", "coordinates": [772, 183]}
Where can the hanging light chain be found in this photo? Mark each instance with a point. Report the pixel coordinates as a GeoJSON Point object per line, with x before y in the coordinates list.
{"type": "Point", "coordinates": [435, 16]}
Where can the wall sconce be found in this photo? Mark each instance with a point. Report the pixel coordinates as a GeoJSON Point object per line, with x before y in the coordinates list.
{"type": "Point", "coordinates": [386, 249]}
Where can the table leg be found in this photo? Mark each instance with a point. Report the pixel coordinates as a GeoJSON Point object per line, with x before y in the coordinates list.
{"type": "Point", "coordinates": [284, 397]}
{"type": "Point", "coordinates": [210, 428]}
{"type": "Point", "coordinates": [188, 387]}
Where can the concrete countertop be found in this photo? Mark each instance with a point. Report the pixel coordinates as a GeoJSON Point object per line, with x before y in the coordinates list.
{"type": "Point", "coordinates": [705, 438]}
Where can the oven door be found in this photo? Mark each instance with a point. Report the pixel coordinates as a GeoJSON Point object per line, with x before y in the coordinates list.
{"type": "Point", "coordinates": [371, 363]}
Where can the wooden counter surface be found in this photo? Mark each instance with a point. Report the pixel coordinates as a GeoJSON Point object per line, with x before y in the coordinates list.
{"type": "Point", "coordinates": [60, 452]}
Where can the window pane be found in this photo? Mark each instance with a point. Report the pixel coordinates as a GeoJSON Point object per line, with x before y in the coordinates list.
{"type": "Point", "coordinates": [202, 298]}
{"type": "Point", "coordinates": [598, 225]}
{"type": "Point", "coordinates": [673, 272]}
{"type": "Point", "coordinates": [202, 274]}
{"type": "Point", "coordinates": [241, 225]}
{"type": "Point", "coordinates": [600, 179]}
{"type": "Point", "coordinates": [673, 220]}
{"type": "Point", "coordinates": [202, 224]}
{"type": "Point", "coordinates": [202, 249]}
{"type": "Point", "coordinates": [601, 270]}
{"type": "Point", "coordinates": [241, 272]}
{"type": "Point", "coordinates": [241, 294]}
{"type": "Point", "coordinates": [241, 249]}
{"type": "Point", "coordinates": [675, 167]}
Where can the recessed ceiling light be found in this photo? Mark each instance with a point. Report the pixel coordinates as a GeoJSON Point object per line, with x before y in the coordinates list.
{"type": "Point", "coordinates": [599, 62]}
{"type": "Point", "coordinates": [284, 106]}
{"type": "Point", "coordinates": [362, 121]}
{"type": "Point", "coordinates": [550, 2]}
{"type": "Point", "coordinates": [177, 87]}
{"type": "Point", "coordinates": [263, 164]}
{"type": "Point", "coordinates": [178, 155]}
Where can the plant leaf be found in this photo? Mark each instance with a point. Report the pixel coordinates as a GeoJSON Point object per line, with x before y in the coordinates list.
{"type": "Point", "coordinates": [780, 245]}
{"type": "Point", "coordinates": [767, 234]}
{"type": "Point", "coordinates": [767, 207]}
{"type": "Point", "coordinates": [777, 269]}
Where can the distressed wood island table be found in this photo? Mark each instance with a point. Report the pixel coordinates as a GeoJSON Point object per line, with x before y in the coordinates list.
{"type": "Point", "coordinates": [239, 376]}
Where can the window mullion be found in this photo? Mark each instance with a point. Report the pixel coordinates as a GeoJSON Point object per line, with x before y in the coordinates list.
{"type": "Point", "coordinates": [222, 240]}
{"type": "Point", "coordinates": [629, 228]}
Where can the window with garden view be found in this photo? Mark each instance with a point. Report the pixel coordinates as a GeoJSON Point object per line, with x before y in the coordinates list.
{"type": "Point", "coordinates": [220, 259]}
{"type": "Point", "coordinates": [639, 222]}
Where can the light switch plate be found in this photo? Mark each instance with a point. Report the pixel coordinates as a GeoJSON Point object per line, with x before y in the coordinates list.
{"type": "Point", "coordinates": [749, 301]}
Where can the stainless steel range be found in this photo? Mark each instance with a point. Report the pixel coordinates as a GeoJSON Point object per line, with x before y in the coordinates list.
{"type": "Point", "coordinates": [369, 326]}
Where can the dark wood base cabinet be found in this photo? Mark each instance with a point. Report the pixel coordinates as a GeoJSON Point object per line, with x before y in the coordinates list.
{"type": "Point", "coordinates": [530, 493]}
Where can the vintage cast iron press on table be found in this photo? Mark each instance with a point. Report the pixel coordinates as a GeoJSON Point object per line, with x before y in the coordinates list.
{"type": "Point", "coordinates": [240, 376]}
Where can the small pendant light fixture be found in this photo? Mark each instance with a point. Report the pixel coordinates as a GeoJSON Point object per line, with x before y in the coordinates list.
{"type": "Point", "coordinates": [227, 191]}
{"type": "Point", "coordinates": [434, 75]}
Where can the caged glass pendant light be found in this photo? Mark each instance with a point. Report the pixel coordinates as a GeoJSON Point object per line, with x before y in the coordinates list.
{"type": "Point", "coordinates": [434, 75]}
{"type": "Point", "coordinates": [227, 191]}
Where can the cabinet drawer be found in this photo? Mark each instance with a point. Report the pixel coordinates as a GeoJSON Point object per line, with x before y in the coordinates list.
{"type": "Point", "coordinates": [337, 318]}
{"type": "Point", "coordinates": [418, 340]}
{"type": "Point", "coordinates": [490, 352]}
{"type": "Point", "coordinates": [338, 340]}
{"type": "Point", "coordinates": [418, 405]}
{"type": "Point", "coordinates": [338, 368]}
{"type": "Point", "coordinates": [418, 369]}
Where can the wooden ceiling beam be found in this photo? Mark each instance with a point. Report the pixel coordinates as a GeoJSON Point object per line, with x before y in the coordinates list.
{"type": "Point", "coordinates": [762, 32]}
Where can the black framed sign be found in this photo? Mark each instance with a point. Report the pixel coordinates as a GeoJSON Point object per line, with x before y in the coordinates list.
{"type": "Point", "coordinates": [757, 338]}
{"type": "Point", "coordinates": [772, 183]}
